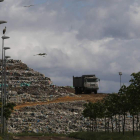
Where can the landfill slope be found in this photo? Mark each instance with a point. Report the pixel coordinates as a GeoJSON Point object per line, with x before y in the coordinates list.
{"type": "Point", "coordinates": [30, 88]}
{"type": "Point", "coordinates": [42, 107]}
{"type": "Point", "coordinates": [26, 85]}
{"type": "Point", "coordinates": [90, 97]}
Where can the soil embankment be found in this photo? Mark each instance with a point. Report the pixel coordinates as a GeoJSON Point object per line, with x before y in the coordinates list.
{"type": "Point", "coordinates": [86, 97]}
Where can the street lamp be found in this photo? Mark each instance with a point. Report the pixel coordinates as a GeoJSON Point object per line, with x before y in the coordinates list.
{"type": "Point", "coordinates": [2, 93]}
{"type": "Point", "coordinates": [7, 57]}
{"type": "Point", "coordinates": [5, 94]}
{"type": "Point", "coordinates": [120, 73]}
{"type": "Point", "coordinates": [5, 37]}
{"type": "Point", "coordinates": [2, 21]}
{"type": "Point", "coordinates": [2, 118]}
{"type": "Point", "coordinates": [5, 48]}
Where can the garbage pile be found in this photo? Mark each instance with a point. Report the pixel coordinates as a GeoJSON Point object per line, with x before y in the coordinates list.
{"type": "Point", "coordinates": [52, 118]}
{"type": "Point", "coordinates": [37, 94]}
{"type": "Point", "coordinates": [59, 118]}
{"type": "Point", "coordinates": [26, 85]}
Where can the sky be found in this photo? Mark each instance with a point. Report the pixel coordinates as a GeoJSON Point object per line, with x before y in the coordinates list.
{"type": "Point", "coordinates": [80, 37]}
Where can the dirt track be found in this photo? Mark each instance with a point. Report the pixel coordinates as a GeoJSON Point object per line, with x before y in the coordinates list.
{"type": "Point", "coordinates": [87, 97]}
{"type": "Point", "coordinates": [42, 138]}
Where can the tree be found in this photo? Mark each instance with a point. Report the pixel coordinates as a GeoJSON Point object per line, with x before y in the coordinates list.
{"type": "Point", "coordinates": [7, 110]}
{"type": "Point", "coordinates": [93, 110]}
{"type": "Point", "coordinates": [110, 107]}
{"type": "Point", "coordinates": [99, 110]}
{"type": "Point", "coordinates": [87, 112]}
{"type": "Point", "coordinates": [134, 96]}
{"type": "Point", "coordinates": [123, 103]}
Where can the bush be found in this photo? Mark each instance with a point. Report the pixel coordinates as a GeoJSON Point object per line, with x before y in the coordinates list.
{"type": "Point", "coordinates": [105, 136]}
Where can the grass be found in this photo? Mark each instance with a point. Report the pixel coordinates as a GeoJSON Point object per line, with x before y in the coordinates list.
{"type": "Point", "coordinates": [6, 136]}
{"type": "Point", "coordinates": [105, 136]}
{"type": "Point", "coordinates": [39, 134]}
{"type": "Point", "coordinates": [9, 136]}
{"type": "Point", "coordinates": [81, 135]}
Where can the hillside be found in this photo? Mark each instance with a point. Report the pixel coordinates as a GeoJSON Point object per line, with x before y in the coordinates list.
{"type": "Point", "coordinates": [41, 106]}
{"type": "Point", "coordinates": [29, 88]}
{"type": "Point", "coordinates": [91, 97]}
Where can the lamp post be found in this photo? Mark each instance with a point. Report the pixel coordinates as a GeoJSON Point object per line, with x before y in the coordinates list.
{"type": "Point", "coordinates": [2, 119]}
{"type": "Point", "coordinates": [5, 48]}
{"type": "Point", "coordinates": [120, 73]}
{"type": "Point", "coordinates": [5, 94]}
{"type": "Point", "coordinates": [6, 57]}
{"type": "Point", "coordinates": [2, 93]}
{"type": "Point", "coordinates": [2, 21]}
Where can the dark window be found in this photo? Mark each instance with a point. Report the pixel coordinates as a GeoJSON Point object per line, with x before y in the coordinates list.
{"type": "Point", "coordinates": [92, 80]}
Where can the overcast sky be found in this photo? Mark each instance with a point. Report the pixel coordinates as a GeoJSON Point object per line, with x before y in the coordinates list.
{"type": "Point", "coordinates": [100, 37]}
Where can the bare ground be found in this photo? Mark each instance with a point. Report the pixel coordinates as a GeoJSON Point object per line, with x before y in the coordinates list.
{"type": "Point", "coordinates": [86, 97]}
{"type": "Point", "coordinates": [42, 138]}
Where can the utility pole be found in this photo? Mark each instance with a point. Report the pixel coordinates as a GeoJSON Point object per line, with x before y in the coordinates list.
{"type": "Point", "coordinates": [120, 73]}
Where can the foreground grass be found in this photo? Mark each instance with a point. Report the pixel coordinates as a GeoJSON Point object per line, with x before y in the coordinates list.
{"type": "Point", "coordinates": [81, 135]}
{"type": "Point", "coordinates": [105, 136]}
{"type": "Point", "coordinates": [39, 134]}
{"type": "Point", "coordinates": [6, 136]}
{"type": "Point", "coordinates": [9, 136]}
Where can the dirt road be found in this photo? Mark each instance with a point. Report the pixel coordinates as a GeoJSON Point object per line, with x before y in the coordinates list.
{"type": "Point", "coordinates": [86, 97]}
{"type": "Point", "coordinates": [42, 138]}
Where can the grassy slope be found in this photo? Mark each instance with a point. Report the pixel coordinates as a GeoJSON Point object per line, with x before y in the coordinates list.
{"type": "Point", "coordinates": [88, 135]}
{"type": "Point", "coordinates": [105, 136]}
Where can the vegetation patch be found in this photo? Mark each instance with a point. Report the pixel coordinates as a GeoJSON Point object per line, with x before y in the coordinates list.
{"type": "Point", "coordinates": [39, 134]}
{"type": "Point", "coordinates": [105, 136]}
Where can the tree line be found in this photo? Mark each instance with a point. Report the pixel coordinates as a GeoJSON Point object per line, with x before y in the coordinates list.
{"type": "Point", "coordinates": [113, 106]}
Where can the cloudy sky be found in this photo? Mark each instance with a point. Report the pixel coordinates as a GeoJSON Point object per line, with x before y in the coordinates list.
{"type": "Point", "coordinates": [100, 37]}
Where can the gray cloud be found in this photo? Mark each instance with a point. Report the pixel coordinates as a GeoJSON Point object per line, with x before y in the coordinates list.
{"type": "Point", "coordinates": [110, 19]}
{"type": "Point", "coordinates": [80, 37]}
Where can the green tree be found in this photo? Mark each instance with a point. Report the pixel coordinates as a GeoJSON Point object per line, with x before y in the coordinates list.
{"type": "Point", "coordinates": [123, 103]}
{"type": "Point", "coordinates": [8, 110]}
{"type": "Point", "coordinates": [134, 96]}
{"type": "Point", "coordinates": [93, 110]}
{"type": "Point", "coordinates": [110, 108]}
{"type": "Point", "coordinates": [133, 102]}
{"type": "Point", "coordinates": [99, 111]}
{"type": "Point", "coordinates": [87, 112]}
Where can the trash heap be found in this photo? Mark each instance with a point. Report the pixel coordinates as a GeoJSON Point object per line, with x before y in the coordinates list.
{"type": "Point", "coordinates": [59, 118]}
{"type": "Point", "coordinates": [52, 118]}
{"type": "Point", "coordinates": [35, 94]}
{"type": "Point", "coordinates": [26, 85]}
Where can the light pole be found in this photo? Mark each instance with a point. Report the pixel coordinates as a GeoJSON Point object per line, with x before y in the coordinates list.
{"type": "Point", "coordinates": [2, 21]}
{"type": "Point", "coordinates": [5, 48]}
{"type": "Point", "coordinates": [5, 94]}
{"type": "Point", "coordinates": [120, 73]}
{"type": "Point", "coordinates": [6, 57]}
{"type": "Point", "coordinates": [2, 93]}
